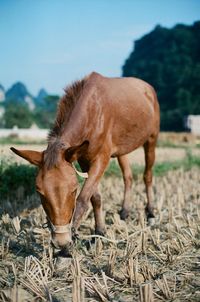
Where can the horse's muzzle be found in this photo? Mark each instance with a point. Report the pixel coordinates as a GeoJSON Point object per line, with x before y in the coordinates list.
{"type": "Point", "coordinates": [62, 252]}
{"type": "Point", "coordinates": [61, 241]}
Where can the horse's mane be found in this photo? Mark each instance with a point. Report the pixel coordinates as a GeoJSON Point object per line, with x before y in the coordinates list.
{"type": "Point", "coordinates": [65, 108]}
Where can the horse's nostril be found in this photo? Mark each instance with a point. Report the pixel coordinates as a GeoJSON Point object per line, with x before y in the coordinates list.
{"type": "Point", "coordinates": [65, 248]}
{"type": "Point", "coordinates": [62, 251]}
{"type": "Point", "coordinates": [65, 253]}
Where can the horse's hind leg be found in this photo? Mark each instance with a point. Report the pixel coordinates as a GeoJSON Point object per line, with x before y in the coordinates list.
{"type": "Point", "coordinates": [127, 176]}
{"type": "Point", "coordinates": [149, 150]}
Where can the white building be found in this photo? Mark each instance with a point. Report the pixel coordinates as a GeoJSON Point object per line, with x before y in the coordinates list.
{"type": "Point", "coordinates": [30, 133]}
{"type": "Point", "coordinates": [2, 111]}
{"type": "Point", "coordinates": [2, 94]}
{"type": "Point", "coordinates": [192, 122]}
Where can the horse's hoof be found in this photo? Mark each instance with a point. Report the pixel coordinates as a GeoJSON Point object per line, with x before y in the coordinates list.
{"type": "Point", "coordinates": [149, 213]}
{"type": "Point", "coordinates": [98, 233]}
{"type": "Point", "coordinates": [150, 216]}
{"type": "Point", "coordinates": [123, 214]}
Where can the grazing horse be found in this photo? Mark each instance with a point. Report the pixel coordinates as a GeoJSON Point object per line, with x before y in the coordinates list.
{"type": "Point", "coordinates": [97, 118]}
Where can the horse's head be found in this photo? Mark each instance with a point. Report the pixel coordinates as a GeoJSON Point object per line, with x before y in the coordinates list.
{"type": "Point", "coordinates": [57, 187]}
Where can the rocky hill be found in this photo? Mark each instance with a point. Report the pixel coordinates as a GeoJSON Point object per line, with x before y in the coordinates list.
{"type": "Point", "coordinates": [19, 94]}
{"type": "Point", "coordinates": [18, 107]}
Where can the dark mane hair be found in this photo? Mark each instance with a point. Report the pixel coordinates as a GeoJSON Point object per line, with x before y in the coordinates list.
{"type": "Point", "coordinates": [65, 108]}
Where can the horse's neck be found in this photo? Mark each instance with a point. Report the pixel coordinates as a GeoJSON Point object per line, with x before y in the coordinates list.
{"type": "Point", "coordinates": [74, 133]}
{"type": "Point", "coordinates": [80, 122]}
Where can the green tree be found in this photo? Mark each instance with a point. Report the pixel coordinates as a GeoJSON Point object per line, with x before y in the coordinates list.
{"type": "Point", "coordinates": [44, 115]}
{"type": "Point", "coordinates": [169, 59]}
{"type": "Point", "coordinates": [17, 114]}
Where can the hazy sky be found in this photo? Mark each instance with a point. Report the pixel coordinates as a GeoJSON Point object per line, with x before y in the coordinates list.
{"type": "Point", "coordinates": [50, 43]}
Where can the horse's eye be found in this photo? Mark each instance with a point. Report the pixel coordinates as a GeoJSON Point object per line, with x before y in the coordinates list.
{"type": "Point", "coordinates": [39, 190]}
{"type": "Point", "coordinates": [40, 193]}
{"type": "Point", "coordinates": [42, 198]}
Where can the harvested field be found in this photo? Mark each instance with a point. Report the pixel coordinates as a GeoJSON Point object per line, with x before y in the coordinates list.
{"type": "Point", "coordinates": [179, 138]}
{"type": "Point", "coordinates": [162, 153]}
{"type": "Point", "coordinates": [134, 262]}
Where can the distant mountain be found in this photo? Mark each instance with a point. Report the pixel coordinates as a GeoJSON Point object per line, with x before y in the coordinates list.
{"type": "Point", "coordinates": [40, 109]}
{"type": "Point", "coordinates": [19, 93]}
{"type": "Point", "coordinates": [40, 99]}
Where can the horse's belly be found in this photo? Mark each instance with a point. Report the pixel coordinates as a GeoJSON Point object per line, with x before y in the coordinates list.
{"type": "Point", "coordinates": [131, 134]}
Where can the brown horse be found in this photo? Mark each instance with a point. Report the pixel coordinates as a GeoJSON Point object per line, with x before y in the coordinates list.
{"type": "Point", "coordinates": [98, 118]}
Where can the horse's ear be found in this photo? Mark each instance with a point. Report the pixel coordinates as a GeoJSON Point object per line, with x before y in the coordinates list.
{"type": "Point", "coordinates": [34, 157]}
{"type": "Point", "coordinates": [73, 153]}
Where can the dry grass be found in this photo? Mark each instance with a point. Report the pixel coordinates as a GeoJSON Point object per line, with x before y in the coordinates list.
{"type": "Point", "coordinates": [134, 262]}
{"type": "Point", "coordinates": [179, 138]}
{"type": "Point", "coordinates": [163, 153]}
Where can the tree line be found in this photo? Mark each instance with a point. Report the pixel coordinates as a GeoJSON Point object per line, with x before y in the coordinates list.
{"type": "Point", "coordinates": [19, 114]}
{"type": "Point", "coordinates": [169, 59]}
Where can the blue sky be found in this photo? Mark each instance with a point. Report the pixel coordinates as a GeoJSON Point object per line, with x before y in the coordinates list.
{"type": "Point", "coordinates": [50, 43]}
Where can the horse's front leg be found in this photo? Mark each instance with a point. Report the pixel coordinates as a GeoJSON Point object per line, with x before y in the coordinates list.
{"type": "Point", "coordinates": [89, 189]}
{"type": "Point", "coordinates": [98, 215]}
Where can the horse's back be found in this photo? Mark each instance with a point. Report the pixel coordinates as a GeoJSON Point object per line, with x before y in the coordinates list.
{"type": "Point", "coordinates": [124, 92]}
{"type": "Point", "coordinates": [130, 109]}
